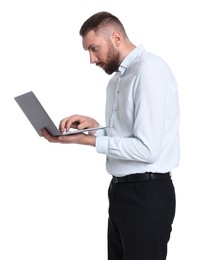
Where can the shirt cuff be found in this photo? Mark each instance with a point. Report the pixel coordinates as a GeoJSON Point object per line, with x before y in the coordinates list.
{"type": "Point", "coordinates": [101, 144]}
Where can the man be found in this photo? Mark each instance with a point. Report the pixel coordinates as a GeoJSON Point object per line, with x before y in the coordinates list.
{"type": "Point", "coordinates": [141, 144]}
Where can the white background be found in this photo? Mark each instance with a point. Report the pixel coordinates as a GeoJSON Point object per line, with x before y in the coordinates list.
{"type": "Point", "coordinates": [53, 197]}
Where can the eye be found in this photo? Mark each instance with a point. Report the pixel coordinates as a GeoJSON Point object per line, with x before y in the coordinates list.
{"type": "Point", "coordinates": [94, 48]}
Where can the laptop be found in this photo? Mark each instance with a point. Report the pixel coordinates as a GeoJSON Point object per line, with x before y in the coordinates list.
{"type": "Point", "coordinates": [39, 118]}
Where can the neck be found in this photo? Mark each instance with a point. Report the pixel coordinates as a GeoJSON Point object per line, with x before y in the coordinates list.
{"type": "Point", "coordinates": [129, 46]}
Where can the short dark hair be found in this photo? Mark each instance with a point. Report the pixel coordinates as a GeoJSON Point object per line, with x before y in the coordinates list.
{"type": "Point", "coordinates": [96, 21]}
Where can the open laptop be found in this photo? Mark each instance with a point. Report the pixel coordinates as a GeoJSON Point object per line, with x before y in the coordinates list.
{"type": "Point", "coordinates": [39, 118]}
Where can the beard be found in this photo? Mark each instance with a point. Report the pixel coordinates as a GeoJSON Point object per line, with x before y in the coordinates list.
{"type": "Point", "coordinates": [112, 62]}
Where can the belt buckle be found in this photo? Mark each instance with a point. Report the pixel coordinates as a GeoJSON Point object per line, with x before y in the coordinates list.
{"type": "Point", "coordinates": [115, 179]}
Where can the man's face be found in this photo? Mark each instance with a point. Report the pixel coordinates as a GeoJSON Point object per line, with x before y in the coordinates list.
{"type": "Point", "coordinates": [102, 52]}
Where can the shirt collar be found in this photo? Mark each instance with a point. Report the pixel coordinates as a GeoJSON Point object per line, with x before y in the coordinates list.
{"type": "Point", "coordinates": [130, 58]}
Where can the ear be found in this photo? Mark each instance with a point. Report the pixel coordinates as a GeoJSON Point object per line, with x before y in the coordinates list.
{"type": "Point", "coordinates": [116, 37]}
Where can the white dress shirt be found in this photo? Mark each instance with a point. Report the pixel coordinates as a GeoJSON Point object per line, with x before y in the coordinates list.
{"type": "Point", "coordinates": [142, 112]}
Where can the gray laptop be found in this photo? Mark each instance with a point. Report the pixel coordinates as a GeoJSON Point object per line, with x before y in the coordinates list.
{"type": "Point", "coordinates": [39, 118]}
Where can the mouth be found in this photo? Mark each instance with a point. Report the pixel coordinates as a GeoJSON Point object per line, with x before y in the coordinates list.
{"type": "Point", "coordinates": [101, 65]}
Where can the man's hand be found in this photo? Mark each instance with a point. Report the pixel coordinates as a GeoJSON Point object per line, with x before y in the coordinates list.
{"type": "Point", "coordinates": [77, 121]}
{"type": "Point", "coordinates": [84, 139]}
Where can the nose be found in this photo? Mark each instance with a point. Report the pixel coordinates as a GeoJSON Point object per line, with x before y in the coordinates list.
{"type": "Point", "coordinates": [93, 58]}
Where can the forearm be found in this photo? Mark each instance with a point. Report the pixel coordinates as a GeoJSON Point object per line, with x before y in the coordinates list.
{"type": "Point", "coordinates": [83, 139]}
{"type": "Point", "coordinates": [88, 140]}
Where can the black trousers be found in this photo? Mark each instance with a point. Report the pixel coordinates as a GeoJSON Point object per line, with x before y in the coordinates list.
{"type": "Point", "coordinates": [140, 219]}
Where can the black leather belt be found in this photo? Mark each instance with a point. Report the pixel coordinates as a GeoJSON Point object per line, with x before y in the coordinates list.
{"type": "Point", "coordinates": [139, 177]}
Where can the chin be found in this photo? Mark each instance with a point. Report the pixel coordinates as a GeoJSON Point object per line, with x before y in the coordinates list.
{"type": "Point", "coordinates": [109, 72]}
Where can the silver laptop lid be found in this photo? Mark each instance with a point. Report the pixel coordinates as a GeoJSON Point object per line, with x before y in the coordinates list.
{"type": "Point", "coordinates": [35, 113]}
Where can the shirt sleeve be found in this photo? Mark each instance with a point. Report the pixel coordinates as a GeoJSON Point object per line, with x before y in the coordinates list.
{"type": "Point", "coordinates": [150, 95]}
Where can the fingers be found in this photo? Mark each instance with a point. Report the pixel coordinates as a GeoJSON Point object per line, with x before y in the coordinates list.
{"type": "Point", "coordinates": [84, 124]}
{"type": "Point", "coordinates": [60, 139]}
{"type": "Point", "coordinates": [69, 122]}
{"type": "Point", "coordinates": [76, 121]}
{"type": "Point", "coordinates": [48, 136]}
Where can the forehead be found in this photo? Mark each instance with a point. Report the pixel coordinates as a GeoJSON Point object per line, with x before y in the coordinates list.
{"type": "Point", "coordinates": [92, 39]}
